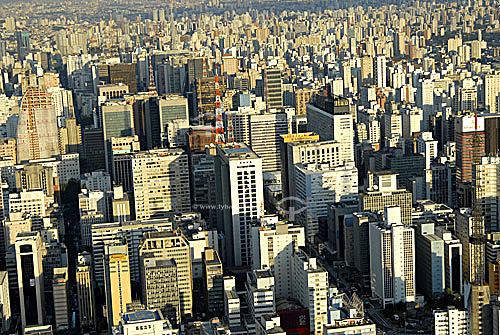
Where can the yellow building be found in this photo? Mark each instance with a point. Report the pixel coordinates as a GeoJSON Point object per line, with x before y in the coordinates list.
{"type": "Point", "coordinates": [116, 282]}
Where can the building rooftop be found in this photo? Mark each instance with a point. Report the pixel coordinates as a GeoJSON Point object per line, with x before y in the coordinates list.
{"type": "Point", "coordinates": [141, 316]}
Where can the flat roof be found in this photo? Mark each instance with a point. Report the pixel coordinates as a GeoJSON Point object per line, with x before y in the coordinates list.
{"type": "Point", "coordinates": [141, 316]}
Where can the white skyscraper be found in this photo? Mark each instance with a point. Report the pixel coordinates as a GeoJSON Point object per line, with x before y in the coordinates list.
{"type": "Point", "coordinates": [487, 181]}
{"type": "Point", "coordinates": [310, 288]}
{"type": "Point", "coordinates": [317, 186]}
{"type": "Point", "coordinates": [428, 147]}
{"type": "Point", "coordinates": [240, 198]}
{"type": "Point", "coordinates": [380, 71]}
{"type": "Point", "coordinates": [392, 259]}
{"type": "Point", "coordinates": [273, 246]}
{"type": "Point", "coordinates": [451, 322]}
{"type": "Point", "coordinates": [161, 182]}
{"type": "Point", "coordinates": [261, 132]}
{"type": "Point", "coordinates": [491, 92]}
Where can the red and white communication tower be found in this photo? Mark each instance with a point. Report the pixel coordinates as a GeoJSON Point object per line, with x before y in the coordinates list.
{"type": "Point", "coordinates": [219, 122]}
{"type": "Point", "coordinates": [152, 85]}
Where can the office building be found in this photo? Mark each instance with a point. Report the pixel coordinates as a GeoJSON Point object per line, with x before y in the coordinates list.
{"type": "Point", "coordinates": [388, 241]}
{"type": "Point", "coordinates": [310, 288]}
{"type": "Point", "coordinates": [174, 116]}
{"type": "Point", "coordinates": [491, 92]}
{"type": "Point", "coordinates": [452, 261]}
{"type": "Point", "coordinates": [431, 258]}
{"type": "Point", "coordinates": [6, 316]}
{"type": "Point", "coordinates": [350, 326]}
{"type": "Point", "coordinates": [260, 295]}
{"type": "Point", "coordinates": [60, 292]}
{"type": "Point", "coordinates": [238, 176]}
{"type": "Point", "coordinates": [116, 282]}
{"type": "Point", "coordinates": [486, 182]}
{"type": "Point", "coordinates": [132, 232]}
{"type": "Point", "coordinates": [122, 150]}
{"type": "Point", "coordinates": [302, 97]}
{"type": "Point", "coordinates": [306, 149]}
{"type": "Point", "coordinates": [317, 186]}
{"type": "Point", "coordinates": [477, 301]}
{"type": "Point", "coordinates": [172, 245]}
{"type": "Point", "coordinates": [383, 192]}
{"type": "Point", "coordinates": [85, 290]}
{"type": "Point", "coordinates": [472, 253]}
{"type": "Point", "coordinates": [159, 287]}
{"type": "Point", "coordinates": [361, 254]}
{"type": "Point", "coordinates": [273, 246]}
{"type": "Point", "coordinates": [261, 132]}
{"type": "Point", "coordinates": [30, 278]}
{"type": "Point", "coordinates": [331, 118]}
{"type": "Point", "coordinates": [117, 121]}
{"type": "Point", "coordinates": [161, 183]}
{"type": "Point", "coordinates": [93, 148]}
{"type": "Point", "coordinates": [273, 93]}
{"type": "Point", "coordinates": [23, 44]}
{"type": "Point", "coordinates": [213, 281]}
{"type": "Point", "coordinates": [149, 322]}
{"type": "Point", "coordinates": [470, 139]}
{"type": "Point", "coordinates": [451, 322]}
{"type": "Point", "coordinates": [37, 135]}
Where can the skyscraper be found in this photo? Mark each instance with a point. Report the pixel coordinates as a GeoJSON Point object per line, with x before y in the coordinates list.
{"type": "Point", "coordinates": [238, 175]}
{"type": "Point", "coordinates": [160, 287]}
{"type": "Point", "coordinates": [85, 290]}
{"type": "Point", "coordinates": [161, 183]}
{"type": "Point", "coordinates": [392, 259]}
{"type": "Point", "coordinates": [491, 92]}
{"type": "Point", "coordinates": [172, 245]}
{"type": "Point", "coordinates": [117, 121]}
{"type": "Point", "coordinates": [470, 139]}
{"type": "Point", "coordinates": [28, 248]}
{"type": "Point", "coordinates": [117, 282]}
{"type": "Point", "coordinates": [23, 43]}
{"type": "Point", "coordinates": [261, 132]}
{"type": "Point", "coordinates": [273, 94]}
{"type": "Point", "coordinates": [37, 135]}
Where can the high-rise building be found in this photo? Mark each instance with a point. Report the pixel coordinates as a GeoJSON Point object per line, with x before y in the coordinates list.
{"type": "Point", "coordinates": [116, 282]}
{"type": "Point", "coordinates": [103, 234]}
{"type": "Point", "coordinates": [392, 259]}
{"type": "Point", "coordinates": [160, 287]}
{"type": "Point", "coordinates": [23, 43]}
{"type": "Point", "coordinates": [486, 181]}
{"type": "Point", "coordinates": [174, 116]}
{"type": "Point", "coordinates": [28, 249]}
{"type": "Point", "coordinates": [60, 292]}
{"type": "Point", "coordinates": [430, 267]}
{"type": "Point", "coordinates": [37, 126]}
{"type": "Point", "coordinates": [491, 92]}
{"type": "Point", "coordinates": [260, 296]}
{"type": "Point", "coordinates": [451, 322]}
{"type": "Point", "coordinates": [172, 245]}
{"type": "Point", "coordinates": [380, 71]}
{"type": "Point", "coordinates": [310, 288]}
{"type": "Point", "coordinates": [122, 150]}
{"type": "Point", "coordinates": [213, 281]}
{"type": "Point", "coordinates": [317, 186]}
{"type": "Point", "coordinates": [238, 175]}
{"type": "Point", "coordinates": [141, 322]}
{"type": "Point", "coordinates": [331, 118]}
{"type": "Point", "coordinates": [94, 153]}
{"type": "Point", "coordinates": [477, 301]}
{"type": "Point", "coordinates": [6, 313]}
{"type": "Point", "coordinates": [118, 73]}
{"type": "Point", "coordinates": [383, 192]}
{"type": "Point", "coordinates": [117, 121]}
{"type": "Point", "coordinates": [85, 290]}
{"type": "Point", "coordinates": [273, 246]}
{"type": "Point", "coordinates": [472, 252]}
{"type": "Point", "coordinates": [161, 183]}
{"type": "Point", "coordinates": [273, 94]}
{"type": "Point", "coordinates": [470, 139]}
{"type": "Point", "coordinates": [306, 149]}
{"type": "Point", "coordinates": [302, 97]}
{"type": "Point", "coordinates": [261, 132]}
{"type": "Point", "coordinates": [452, 261]}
